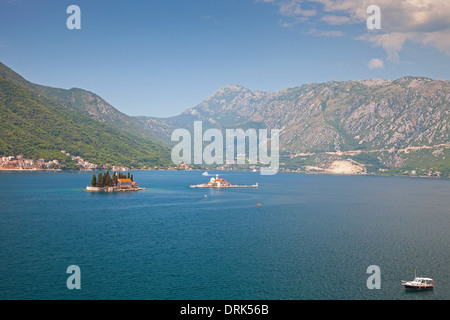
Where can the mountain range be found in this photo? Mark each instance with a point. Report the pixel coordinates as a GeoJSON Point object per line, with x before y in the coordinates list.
{"type": "Point", "coordinates": [397, 126]}
{"type": "Point", "coordinates": [374, 126]}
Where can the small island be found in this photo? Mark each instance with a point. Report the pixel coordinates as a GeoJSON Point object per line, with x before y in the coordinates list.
{"type": "Point", "coordinates": [118, 182]}
{"type": "Point", "coordinates": [221, 183]}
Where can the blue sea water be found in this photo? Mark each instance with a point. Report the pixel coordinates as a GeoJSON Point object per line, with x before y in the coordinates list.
{"type": "Point", "coordinates": [311, 237]}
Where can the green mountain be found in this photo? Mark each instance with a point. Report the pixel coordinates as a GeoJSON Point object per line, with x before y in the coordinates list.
{"type": "Point", "coordinates": [40, 121]}
{"type": "Point", "coordinates": [85, 102]}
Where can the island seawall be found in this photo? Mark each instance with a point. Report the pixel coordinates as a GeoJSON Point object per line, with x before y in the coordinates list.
{"type": "Point", "coordinates": [110, 189]}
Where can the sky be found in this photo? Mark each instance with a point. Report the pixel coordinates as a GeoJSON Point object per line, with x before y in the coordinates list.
{"type": "Point", "coordinates": [160, 57]}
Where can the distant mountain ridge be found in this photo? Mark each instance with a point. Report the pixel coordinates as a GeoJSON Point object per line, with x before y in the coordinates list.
{"type": "Point", "coordinates": [335, 116]}
{"type": "Point", "coordinates": [378, 118]}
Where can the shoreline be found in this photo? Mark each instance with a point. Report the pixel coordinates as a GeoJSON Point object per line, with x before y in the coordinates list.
{"type": "Point", "coordinates": [280, 172]}
{"type": "Point", "coordinates": [111, 189]}
{"type": "Point", "coordinates": [225, 187]}
{"type": "Point", "coordinates": [2, 169]}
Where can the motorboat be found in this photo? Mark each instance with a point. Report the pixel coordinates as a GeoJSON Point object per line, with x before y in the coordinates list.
{"type": "Point", "coordinates": [419, 283]}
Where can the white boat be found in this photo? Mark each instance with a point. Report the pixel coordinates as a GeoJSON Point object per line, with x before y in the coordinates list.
{"type": "Point", "coordinates": [205, 173]}
{"type": "Point", "coordinates": [419, 283]}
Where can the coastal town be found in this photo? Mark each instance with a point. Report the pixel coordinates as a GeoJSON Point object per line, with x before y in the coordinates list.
{"type": "Point", "coordinates": [20, 163]}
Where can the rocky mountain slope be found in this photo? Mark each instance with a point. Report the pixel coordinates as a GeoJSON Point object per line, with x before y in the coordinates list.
{"type": "Point", "coordinates": [376, 119]}
{"type": "Point", "coordinates": [339, 116]}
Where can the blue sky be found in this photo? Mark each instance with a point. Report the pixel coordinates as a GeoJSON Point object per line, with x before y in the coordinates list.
{"type": "Point", "coordinates": [159, 58]}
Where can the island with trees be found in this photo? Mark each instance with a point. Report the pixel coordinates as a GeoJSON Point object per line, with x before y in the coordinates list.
{"type": "Point", "coordinates": [103, 182]}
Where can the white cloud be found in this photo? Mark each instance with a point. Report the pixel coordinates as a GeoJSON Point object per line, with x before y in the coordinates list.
{"type": "Point", "coordinates": [376, 64]}
{"type": "Point", "coordinates": [294, 8]}
{"type": "Point", "coordinates": [335, 20]}
{"type": "Point", "coordinates": [392, 43]}
{"type": "Point", "coordinates": [439, 40]}
{"type": "Point", "coordinates": [425, 22]}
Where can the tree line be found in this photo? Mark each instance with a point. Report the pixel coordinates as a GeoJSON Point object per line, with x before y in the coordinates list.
{"type": "Point", "coordinates": [105, 179]}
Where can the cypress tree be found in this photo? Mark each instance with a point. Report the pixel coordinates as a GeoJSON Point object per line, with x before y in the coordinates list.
{"type": "Point", "coordinates": [93, 181]}
{"type": "Point", "coordinates": [100, 180]}
{"type": "Point", "coordinates": [106, 178]}
{"type": "Point", "coordinates": [114, 178]}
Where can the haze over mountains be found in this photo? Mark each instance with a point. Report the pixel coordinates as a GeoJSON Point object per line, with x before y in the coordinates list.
{"type": "Point", "coordinates": [376, 125]}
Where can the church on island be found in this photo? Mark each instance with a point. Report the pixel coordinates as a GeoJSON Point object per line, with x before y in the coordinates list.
{"type": "Point", "coordinates": [118, 182]}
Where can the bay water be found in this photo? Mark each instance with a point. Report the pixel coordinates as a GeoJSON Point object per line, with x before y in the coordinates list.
{"type": "Point", "coordinates": [296, 237]}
